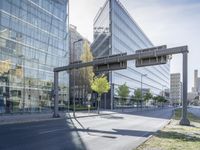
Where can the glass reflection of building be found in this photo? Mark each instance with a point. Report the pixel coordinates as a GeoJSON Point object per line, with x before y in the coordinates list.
{"type": "Point", "coordinates": [76, 51]}
{"type": "Point", "coordinates": [33, 40]}
{"type": "Point", "coordinates": [116, 32]}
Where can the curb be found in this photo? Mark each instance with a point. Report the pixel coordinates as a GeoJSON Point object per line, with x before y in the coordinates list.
{"type": "Point", "coordinates": [84, 116]}
{"type": "Point", "coordinates": [65, 116]}
{"type": "Point", "coordinates": [114, 112]}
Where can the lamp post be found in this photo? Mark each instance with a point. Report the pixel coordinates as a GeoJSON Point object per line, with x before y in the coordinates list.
{"type": "Point", "coordinates": [73, 47]}
{"type": "Point", "coordinates": [142, 75]}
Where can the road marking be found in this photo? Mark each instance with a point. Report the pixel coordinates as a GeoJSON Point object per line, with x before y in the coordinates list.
{"type": "Point", "coordinates": [50, 131]}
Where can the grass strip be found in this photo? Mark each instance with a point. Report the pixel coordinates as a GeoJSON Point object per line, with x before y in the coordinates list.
{"type": "Point", "coordinates": [175, 136]}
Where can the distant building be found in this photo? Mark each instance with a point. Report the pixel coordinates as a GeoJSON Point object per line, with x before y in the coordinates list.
{"type": "Point", "coordinates": [196, 87]}
{"type": "Point", "coordinates": [76, 51]}
{"type": "Point", "coordinates": [75, 55]}
{"type": "Point", "coordinates": [175, 88]}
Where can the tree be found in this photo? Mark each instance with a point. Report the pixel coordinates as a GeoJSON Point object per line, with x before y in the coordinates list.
{"type": "Point", "coordinates": [100, 85]}
{"type": "Point", "coordinates": [138, 96]}
{"type": "Point", "coordinates": [148, 96]}
{"type": "Point", "coordinates": [160, 99]}
{"type": "Point", "coordinates": [86, 57]}
{"type": "Point", "coordinates": [5, 66]}
{"type": "Point", "coordinates": [87, 73]}
{"type": "Point", "coordinates": [123, 92]}
{"type": "Point", "coordinates": [19, 72]}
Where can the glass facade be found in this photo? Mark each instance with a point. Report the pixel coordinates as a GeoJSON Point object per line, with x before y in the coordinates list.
{"type": "Point", "coordinates": [33, 40]}
{"type": "Point", "coordinates": [116, 32]}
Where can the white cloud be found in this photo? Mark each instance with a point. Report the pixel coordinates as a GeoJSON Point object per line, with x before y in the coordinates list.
{"type": "Point", "coordinates": [82, 13]}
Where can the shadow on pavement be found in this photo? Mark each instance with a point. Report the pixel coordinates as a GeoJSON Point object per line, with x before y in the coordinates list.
{"type": "Point", "coordinates": [52, 135]}
{"type": "Point", "coordinates": [121, 132]}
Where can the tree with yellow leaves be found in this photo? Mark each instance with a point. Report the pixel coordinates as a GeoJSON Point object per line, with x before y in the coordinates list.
{"type": "Point", "coordinates": [87, 73]}
{"type": "Point", "coordinates": [100, 85]}
{"type": "Point", "coordinates": [5, 66]}
{"type": "Point", "coordinates": [86, 57]}
{"type": "Point", "coordinates": [19, 71]}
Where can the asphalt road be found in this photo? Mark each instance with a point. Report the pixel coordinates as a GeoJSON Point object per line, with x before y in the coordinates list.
{"type": "Point", "coordinates": [109, 132]}
{"type": "Point", "coordinates": [195, 110]}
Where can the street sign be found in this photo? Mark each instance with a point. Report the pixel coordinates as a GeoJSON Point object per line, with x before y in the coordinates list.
{"type": "Point", "coordinates": [117, 65]}
{"type": "Point", "coordinates": [161, 53]}
{"type": "Point", "coordinates": [150, 61]}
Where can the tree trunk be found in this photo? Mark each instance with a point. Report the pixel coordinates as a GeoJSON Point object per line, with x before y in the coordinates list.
{"type": "Point", "coordinates": [122, 105]}
{"type": "Point", "coordinates": [98, 100]}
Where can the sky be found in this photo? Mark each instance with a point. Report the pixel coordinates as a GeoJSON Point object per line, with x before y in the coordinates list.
{"type": "Point", "coordinates": [165, 22]}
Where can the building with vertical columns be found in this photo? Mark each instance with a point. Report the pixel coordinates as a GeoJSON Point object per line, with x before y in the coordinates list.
{"type": "Point", "coordinates": [115, 32]}
{"type": "Point", "coordinates": [195, 79]}
{"type": "Point", "coordinates": [33, 40]}
{"type": "Point", "coordinates": [196, 87]}
{"type": "Point", "coordinates": [175, 88]}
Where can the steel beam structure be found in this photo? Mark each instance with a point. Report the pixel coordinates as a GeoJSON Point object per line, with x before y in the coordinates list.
{"type": "Point", "coordinates": [143, 53]}
{"type": "Point", "coordinates": [184, 120]}
{"type": "Point", "coordinates": [56, 98]}
{"type": "Point", "coordinates": [156, 52]}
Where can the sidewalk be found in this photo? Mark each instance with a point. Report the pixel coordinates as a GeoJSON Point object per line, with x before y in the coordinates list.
{"type": "Point", "coordinates": [92, 113]}
{"type": "Point", "coordinates": [23, 118]}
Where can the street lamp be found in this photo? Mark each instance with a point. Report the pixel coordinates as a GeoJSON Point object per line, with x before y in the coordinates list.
{"type": "Point", "coordinates": [73, 47]}
{"type": "Point", "coordinates": [142, 75]}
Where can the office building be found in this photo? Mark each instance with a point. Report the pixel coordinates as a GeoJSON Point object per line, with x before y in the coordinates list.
{"type": "Point", "coordinates": [33, 40]}
{"type": "Point", "coordinates": [175, 88]}
{"type": "Point", "coordinates": [116, 32]}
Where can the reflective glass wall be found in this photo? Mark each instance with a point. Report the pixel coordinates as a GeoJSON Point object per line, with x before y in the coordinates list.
{"type": "Point", "coordinates": [33, 40]}
{"type": "Point", "coordinates": [101, 28]}
{"type": "Point", "coordinates": [124, 35]}
{"type": "Point", "coordinates": [128, 37]}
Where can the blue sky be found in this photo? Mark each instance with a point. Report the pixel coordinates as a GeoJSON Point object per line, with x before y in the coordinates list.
{"type": "Point", "coordinates": [170, 22]}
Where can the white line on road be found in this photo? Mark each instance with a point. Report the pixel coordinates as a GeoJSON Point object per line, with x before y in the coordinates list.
{"type": "Point", "coordinates": [50, 131]}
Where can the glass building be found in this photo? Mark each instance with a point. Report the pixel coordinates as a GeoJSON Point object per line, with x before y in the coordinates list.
{"type": "Point", "coordinates": [33, 40]}
{"type": "Point", "coordinates": [116, 32]}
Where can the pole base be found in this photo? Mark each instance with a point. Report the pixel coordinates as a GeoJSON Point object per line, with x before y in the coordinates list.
{"type": "Point", "coordinates": [184, 121]}
{"type": "Point", "coordinates": [56, 116]}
